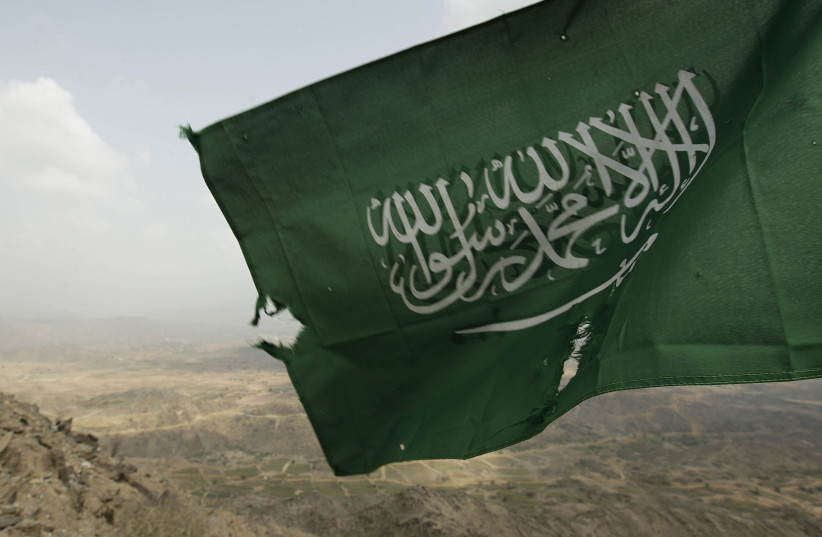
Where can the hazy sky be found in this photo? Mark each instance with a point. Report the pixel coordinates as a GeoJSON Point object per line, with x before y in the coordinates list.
{"type": "Point", "coordinates": [102, 208]}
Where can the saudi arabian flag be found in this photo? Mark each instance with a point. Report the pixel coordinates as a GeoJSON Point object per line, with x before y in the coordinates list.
{"type": "Point", "coordinates": [630, 184]}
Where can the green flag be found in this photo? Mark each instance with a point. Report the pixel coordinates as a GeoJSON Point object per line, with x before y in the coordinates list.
{"type": "Point", "coordinates": [628, 184]}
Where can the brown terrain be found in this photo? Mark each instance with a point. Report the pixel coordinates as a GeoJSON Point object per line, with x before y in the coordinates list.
{"type": "Point", "coordinates": [184, 431]}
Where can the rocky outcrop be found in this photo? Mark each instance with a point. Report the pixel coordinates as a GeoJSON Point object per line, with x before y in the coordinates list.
{"type": "Point", "coordinates": [57, 482]}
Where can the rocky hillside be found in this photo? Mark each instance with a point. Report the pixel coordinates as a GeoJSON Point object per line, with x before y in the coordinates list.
{"type": "Point", "coordinates": [439, 512]}
{"type": "Point", "coordinates": [57, 482]}
{"type": "Point", "coordinates": [216, 443]}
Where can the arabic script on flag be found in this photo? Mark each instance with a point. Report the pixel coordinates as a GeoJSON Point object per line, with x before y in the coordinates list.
{"type": "Point", "coordinates": [546, 211]}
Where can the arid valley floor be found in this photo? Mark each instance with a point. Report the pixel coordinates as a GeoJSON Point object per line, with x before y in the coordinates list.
{"type": "Point", "coordinates": [218, 421]}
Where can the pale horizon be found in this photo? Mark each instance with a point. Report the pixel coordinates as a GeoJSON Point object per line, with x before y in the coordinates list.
{"type": "Point", "coordinates": [103, 209]}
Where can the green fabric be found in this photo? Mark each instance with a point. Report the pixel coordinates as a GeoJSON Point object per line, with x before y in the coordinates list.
{"type": "Point", "coordinates": [637, 178]}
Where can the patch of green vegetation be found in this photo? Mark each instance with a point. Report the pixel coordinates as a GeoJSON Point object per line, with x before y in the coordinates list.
{"type": "Point", "coordinates": [190, 481]}
{"type": "Point", "coordinates": [303, 486]}
{"type": "Point", "coordinates": [239, 486]}
{"type": "Point", "coordinates": [210, 471]}
{"type": "Point", "coordinates": [274, 465]}
{"type": "Point", "coordinates": [248, 471]}
{"type": "Point", "coordinates": [390, 488]}
{"type": "Point", "coordinates": [227, 491]}
{"type": "Point", "coordinates": [359, 486]}
{"type": "Point", "coordinates": [298, 468]}
{"type": "Point", "coordinates": [501, 461]}
{"type": "Point", "coordinates": [512, 471]}
{"type": "Point", "coordinates": [392, 474]}
{"type": "Point", "coordinates": [193, 470]}
{"type": "Point", "coordinates": [216, 481]}
{"type": "Point", "coordinates": [278, 491]}
{"type": "Point", "coordinates": [476, 466]}
{"type": "Point", "coordinates": [415, 472]}
{"type": "Point", "coordinates": [442, 466]}
{"type": "Point", "coordinates": [329, 488]}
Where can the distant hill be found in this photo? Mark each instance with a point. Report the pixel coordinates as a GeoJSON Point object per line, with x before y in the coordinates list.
{"type": "Point", "coordinates": [16, 334]}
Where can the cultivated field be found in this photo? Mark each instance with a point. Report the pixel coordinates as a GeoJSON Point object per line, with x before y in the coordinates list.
{"type": "Point", "coordinates": [221, 420]}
